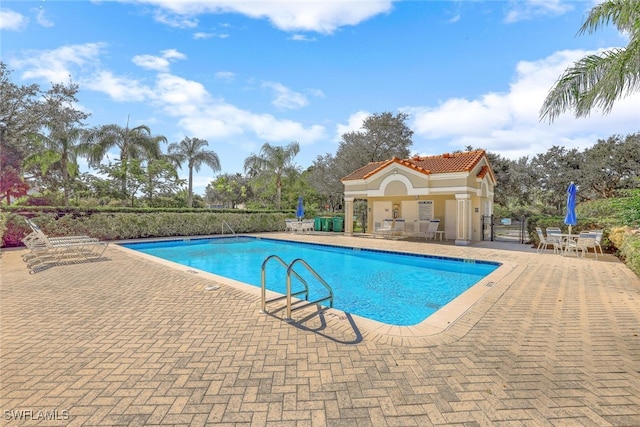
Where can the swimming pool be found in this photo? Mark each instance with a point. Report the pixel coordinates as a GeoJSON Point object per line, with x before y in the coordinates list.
{"type": "Point", "coordinates": [395, 288]}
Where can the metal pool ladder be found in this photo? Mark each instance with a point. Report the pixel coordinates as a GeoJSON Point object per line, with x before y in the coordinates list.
{"type": "Point", "coordinates": [289, 295]}
{"type": "Point", "coordinates": [228, 226]}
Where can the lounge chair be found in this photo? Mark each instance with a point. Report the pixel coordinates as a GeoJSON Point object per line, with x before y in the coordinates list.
{"type": "Point", "coordinates": [47, 250]}
{"type": "Point", "coordinates": [432, 229]}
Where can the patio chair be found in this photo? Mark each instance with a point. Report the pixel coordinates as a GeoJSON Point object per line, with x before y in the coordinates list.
{"type": "Point", "coordinates": [306, 225]}
{"type": "Point", "coordinates": [582, 243]}
{"type": "Point", "coordinates": [432, 229]}
{"type": "Point", "coordinates": [398, 228]}
{"type": "Point", "coordinates": [288, 225]}
{"type": "Point", "coordinates": [599, 234]}
{"type": "Point", "coordinates": [385, 230]}
{"type": "Point", "coordinates": [544, 242]}
{"type": "Point", "coordinates": [555, 238]}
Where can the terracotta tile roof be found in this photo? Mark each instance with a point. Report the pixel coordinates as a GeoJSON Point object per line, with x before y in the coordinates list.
{"type": "Point", "coordinates": [444, 163]}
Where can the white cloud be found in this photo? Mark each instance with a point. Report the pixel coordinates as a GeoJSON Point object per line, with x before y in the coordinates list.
{"type": "Point", "coordinates": [187, 101]}
{"type": "Point", "coordinates": [42, 19]}
{"type": "Point", "coordinates": [508, 123]}
{"type": "Point", "coordinates": [354, 123]}
{"type": "Point", "coordinates": [285, 98]}
{"type": "Point", "coordinates": [151, 62]}
{"type": "Point", "coordinates": [301, 15]}
{"type": "Point", "coordinates": [118, 88]}
{"type": "Point", "coordinates": [58, 64]}
{"type": "Point", "coordinates": [158, 63]}
{"type": "Point", "coordinates": [175, 21]}
{"type": "Point", "coordinates": [198, 113]}
{"type": "Point", "coordinates": [173, 54]}
{"type": "Point", "coordinates": [12, 21]}
{"type": "Point", "coordinates": [302, 38]}
{"type": "Point", "coordinates": [226, 76]}
{"type": "Point", "coordinates": [523, 10]}
{"type": "Point", "coordinates": [203, 36]}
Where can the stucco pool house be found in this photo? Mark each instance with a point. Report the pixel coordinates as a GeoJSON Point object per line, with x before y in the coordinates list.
{"type": "Point", "coordinates": [456, 188]}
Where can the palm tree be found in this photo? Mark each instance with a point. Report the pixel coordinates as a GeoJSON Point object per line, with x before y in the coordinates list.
{"type": "Point", "coordinates": [134, 143]}
{"type": "Point", "coordinates": [599, 80]}
{"type": "Point", "coordinates": [59, 150]}
{"type": "Point", "coordinates": [273, 162]}
{"type": "Point", "coordinates": [192, 150]}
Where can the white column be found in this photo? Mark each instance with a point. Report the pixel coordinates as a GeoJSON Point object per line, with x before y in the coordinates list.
{"type": "Point", "coordinates": [348, 216]}
{"type": "Point", "coordinates": [463, 219]}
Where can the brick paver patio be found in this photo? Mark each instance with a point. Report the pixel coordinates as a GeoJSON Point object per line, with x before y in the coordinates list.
{"type": "Point", "coordinates": [128, 341]}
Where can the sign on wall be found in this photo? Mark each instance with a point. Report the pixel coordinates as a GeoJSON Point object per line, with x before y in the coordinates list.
{"type": "Point", "coordinates": [425, 210]}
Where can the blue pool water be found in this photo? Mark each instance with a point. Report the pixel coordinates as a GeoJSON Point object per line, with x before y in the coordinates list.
{"type": "Point", "coordinates": [390, 287]}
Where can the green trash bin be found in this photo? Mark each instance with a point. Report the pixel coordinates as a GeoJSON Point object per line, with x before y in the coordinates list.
{"type": "Point", "coordinates": [338, 223]}
{"type": "Point", "coordinates": [326, 224]}
{"type": "Point", "coordinates": [317, 224]}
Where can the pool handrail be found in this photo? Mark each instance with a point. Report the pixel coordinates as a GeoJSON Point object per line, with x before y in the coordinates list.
{"type": "Point", "coordinates": [317, 276]}
{"type": "Point", "coordinates": [263, 284]}
{"type": "Point", "coordinates": [228, 226]}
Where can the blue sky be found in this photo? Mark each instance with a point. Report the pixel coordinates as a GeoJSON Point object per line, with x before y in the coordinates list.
{"type": "Point", "coordinates": [242, 73]}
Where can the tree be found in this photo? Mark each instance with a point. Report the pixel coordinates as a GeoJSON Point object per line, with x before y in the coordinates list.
{"type": "Point", "coordinates": [382, 137]}
{"type": "Point", "coordinates": [554, 170]}
{"type": "Point", "coordinates": [60, 148]}
{"type": "Point", "coordinates": [20, 119]}
{"type": "Point", "coordinates": [134, 144]}
{"type": "Point", "coordinates": [597, 81]}
{"type": "Point", "coordinates": [611, 165]}
{"type": "Point", "coordinates": [20, 112]}
{"type": "Point", "coordinates": [160, 180]}
{"type": "Point", "coordinates": [273, 164]}
{"type": "Point", "coordinates": [228, 190]}
{"type": "Point", "coordinates": [192, 150]}
{"type": "Point", "coordinates": [11, 181]}
{"type": "Point", "coordinates": [324, 178]}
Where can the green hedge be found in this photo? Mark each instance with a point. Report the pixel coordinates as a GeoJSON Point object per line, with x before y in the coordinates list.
{"type": "Point", "coordinates": [118, 225]}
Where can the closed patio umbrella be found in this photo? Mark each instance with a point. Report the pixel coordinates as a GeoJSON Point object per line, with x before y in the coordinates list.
{"type": "Point", "coordinates": [300, 209]}
{"type": "Point", "coordinates": [570, 219]}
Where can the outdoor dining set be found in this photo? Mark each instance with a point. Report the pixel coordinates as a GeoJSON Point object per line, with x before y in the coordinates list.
{"type": "Point", "coordinates": [566, 243]}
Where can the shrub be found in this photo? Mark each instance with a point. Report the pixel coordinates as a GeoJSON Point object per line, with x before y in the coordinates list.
{"type": "Point", "coordinates": [123, 224]}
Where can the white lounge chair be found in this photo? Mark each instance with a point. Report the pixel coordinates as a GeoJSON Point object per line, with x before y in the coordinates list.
{"type": "Point", "coordinates": [46, 250]}
{"type": "Point", "coordinates": [432, 229]}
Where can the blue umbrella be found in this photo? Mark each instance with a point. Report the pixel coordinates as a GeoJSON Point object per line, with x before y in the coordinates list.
{"type": "Point", "coordinates": [300, 209]}
{"type": "Point", "coordinates": [571, 219]}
